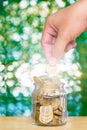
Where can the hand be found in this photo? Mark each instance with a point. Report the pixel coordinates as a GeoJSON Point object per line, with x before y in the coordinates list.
{"type": "Point", "coordinates": [61, 30]}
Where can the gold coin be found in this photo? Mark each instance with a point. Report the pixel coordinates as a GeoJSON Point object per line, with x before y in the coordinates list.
{"type": "Point", "coordinates": [46, 114]}
{"type": "Point", "coordinates": [37, 80]}
{"type": "Point", "coordinates": [37, 116]}
{"type": "Point", "coordinates": [54, 121]}
{"type": "Point", "coordinates": [45, 101]}
{"type": "Point", "coordinates": [56, 81]}
{"type": "Point", "coordinates": [48, 87]}
{"type": "Point", "coordinates": [37, 106]}
{"type": "Point", "coordinates": [55, 103]}
{"type": "Point", "coordinates": [57, 112]}
{"type": "Point", "coordinates": [60, 108]}
{"type": "Point", "coordinates": [56, 116]}
{"type": "Point", "coordinates": [44, 78]}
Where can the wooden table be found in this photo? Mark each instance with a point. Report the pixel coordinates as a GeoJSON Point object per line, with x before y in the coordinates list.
{"type": "Point", "coordinates": [26, 123]}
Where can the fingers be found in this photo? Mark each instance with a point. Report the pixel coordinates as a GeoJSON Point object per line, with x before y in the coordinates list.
{"type": "Point", "coordinates": [55, 48]}
{"type": "Point", "coordinates": [55, 44]}
{"type": "Point", "coordinates": [48, 41]}
{"type": "Point", "coordinates": [61, 47]}
{"type": "Point", "coordinates": [58, 49]}
{"type": "Point", "coordinates": [70, 45]}
{"type": "Point", "coordinates": [48, 47]}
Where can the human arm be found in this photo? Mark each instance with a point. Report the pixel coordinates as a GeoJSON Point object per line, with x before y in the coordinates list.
{"type": "Point", "coordinates": [62, 28]}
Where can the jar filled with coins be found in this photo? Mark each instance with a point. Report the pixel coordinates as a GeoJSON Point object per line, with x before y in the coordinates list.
{"type": "Point", "coordinates": [49, 101]}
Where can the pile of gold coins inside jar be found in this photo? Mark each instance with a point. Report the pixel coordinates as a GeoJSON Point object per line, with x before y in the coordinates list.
{"type": "Point", "coordinates": [49, 101]}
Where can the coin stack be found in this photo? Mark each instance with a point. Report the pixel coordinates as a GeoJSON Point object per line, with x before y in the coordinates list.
{"type": "Point", "coordinates": [49, 103]}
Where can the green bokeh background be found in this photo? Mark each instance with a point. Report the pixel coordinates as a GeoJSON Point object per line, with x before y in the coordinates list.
{"type": "Point", "coordinates": [21, 25]}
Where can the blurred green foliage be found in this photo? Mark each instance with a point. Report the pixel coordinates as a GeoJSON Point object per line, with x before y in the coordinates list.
{"type": "Point", "coordinates": [21, 25]}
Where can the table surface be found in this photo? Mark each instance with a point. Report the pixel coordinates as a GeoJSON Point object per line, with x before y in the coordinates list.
{"type": "Point", "coordinates": [27, 123]}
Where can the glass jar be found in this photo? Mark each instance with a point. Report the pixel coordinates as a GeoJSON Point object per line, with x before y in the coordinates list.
{"type": "Point", "coordinates": [49, 101]}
